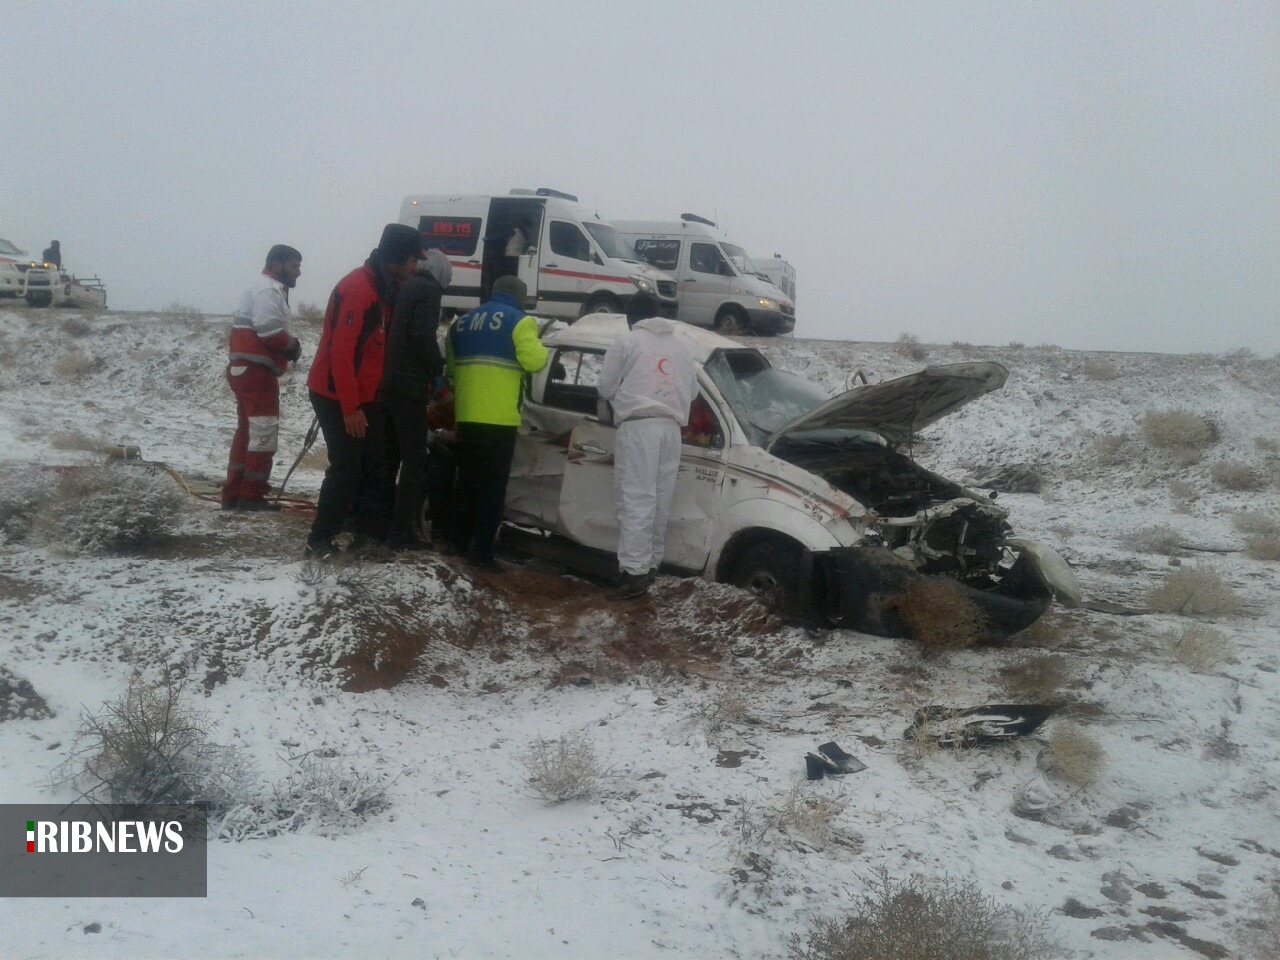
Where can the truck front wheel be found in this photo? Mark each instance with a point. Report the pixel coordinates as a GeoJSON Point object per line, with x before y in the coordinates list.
{"type": "Point", "coordinates": [732, 322]}
{"type": "Point", "coordinates": [771, 570]}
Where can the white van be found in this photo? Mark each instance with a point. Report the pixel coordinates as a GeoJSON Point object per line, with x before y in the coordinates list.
{"type": "Point", "coordinates": [14, 263]}
{"type": "Point", "coordinates": [572, 262]}
{"type": "Point", "coordinates": [718, 284]}
{"type": "Point", "coordinates": [780, 273]}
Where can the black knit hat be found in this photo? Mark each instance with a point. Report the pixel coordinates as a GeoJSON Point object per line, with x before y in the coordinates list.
{"type": "Point", "coordinates": [399, 242]}
{"type": "Point", "coordinates": [641, 307]}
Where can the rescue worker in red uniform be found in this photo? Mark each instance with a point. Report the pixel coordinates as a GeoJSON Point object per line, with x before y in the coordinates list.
{"type": "Point", "coordinates": [344, 382]}
{"type": "Point", "coordinates": [261, 350]}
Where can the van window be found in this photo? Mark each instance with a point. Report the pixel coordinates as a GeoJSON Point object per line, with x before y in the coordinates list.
{"type": "Point", "coordinates": [706, 258]}
{"type": "Point", "coordinates": [568, 241]}
{"type": "Point", "coordinates": [663, 254]}
{"type": "Point", "coordinates": [610, 241]}
{"type": "Point", "coordinates": [455, 236]}
{"type": "Point", "coordinates": [572, 383]}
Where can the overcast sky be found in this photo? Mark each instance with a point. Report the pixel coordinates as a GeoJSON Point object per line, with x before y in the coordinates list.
{"type": "Point", "coordinates": [1094, 175]}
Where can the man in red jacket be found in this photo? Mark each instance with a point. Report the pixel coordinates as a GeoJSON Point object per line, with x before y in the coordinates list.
{"type": "Point", "coordinates": [343, 383]}
{"type": "Point", "coordinates": [261, 349]}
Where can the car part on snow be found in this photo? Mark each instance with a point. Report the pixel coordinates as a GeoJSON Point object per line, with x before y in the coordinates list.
{"type": "Point", "coordinates": [831, 761]}
{"type": "Point", "coordinates": [976, 726]}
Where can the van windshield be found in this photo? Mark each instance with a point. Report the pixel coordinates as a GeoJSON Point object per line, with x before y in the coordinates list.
{"type": "Point", "coordinates": [8, 249]}
{"type": "Point", "coordinates": [763, 399]}
{"type": "Point", "coordinates": [739, 257]}
{"type": "Point", "coordinates": [610, 241]}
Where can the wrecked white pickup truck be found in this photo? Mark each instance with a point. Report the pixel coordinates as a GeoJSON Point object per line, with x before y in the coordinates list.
{"type": "Point", "coordinates": [800, 498]}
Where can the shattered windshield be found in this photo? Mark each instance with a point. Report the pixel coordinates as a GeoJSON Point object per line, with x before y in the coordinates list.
{"type": "Point", "coordinates": [740, 259]}
{"type": "Point", "coordinates": [763, 399]}
{"type": "Point", "coordinates": [610, 242]}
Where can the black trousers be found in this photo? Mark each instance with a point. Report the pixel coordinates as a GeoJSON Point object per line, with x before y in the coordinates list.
{"type": "Point", "coordinates": [352, 486]}
{"type": "Point", "coordinates": [483, 452]}
{"type": "Point", "coordinates": [442, 475]}
{"type": "Point", "coordinates": [409, 417]}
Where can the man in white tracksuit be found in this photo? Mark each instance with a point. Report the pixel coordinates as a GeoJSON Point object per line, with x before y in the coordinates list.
{"type": "Point", "coordinates": [650, 379]}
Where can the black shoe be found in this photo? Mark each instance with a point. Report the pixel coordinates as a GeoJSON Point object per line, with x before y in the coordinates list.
{"type": "Point", "coordinates": [816, 767]}
{"type": "Point", "coordinates": [258, 505]}
{"type": "Point", "coordinates": [232, 504]}
{"type": "Point", "coordinates": [321, 551]}
{"type": "Point", "coordinates": [844, 762]}
{"type": "Point", "coordinates": [631, 586]}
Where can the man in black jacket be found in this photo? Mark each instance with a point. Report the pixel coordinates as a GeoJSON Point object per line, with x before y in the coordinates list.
{"type": "Point", "coordinates": [412, 362]}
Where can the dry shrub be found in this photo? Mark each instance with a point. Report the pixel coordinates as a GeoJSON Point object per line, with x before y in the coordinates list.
{"type": "Point", "coordinates": [1183, 494]}
{"type": "Point", "coordinates": [926, 919]}
{"type": "Point", "coordinates": [563, 769]}
{"type": "Point", "coordinates": [1256, 523]}
{"type": "Point", "coordinates": [76, 327]}
{"type": "Point", "coordinates": [1263, 548]}
{"type": "Point", "coordinates": [74, 364]}
{"type": "Point", "coordinates": [108, 509]}
{"type": "Point", "coordinates": [1036, 678]}
{"type": "Point", "coordinates": [75, 440]}
{"type": "Point", "coordinates": [938, 615]}
{"type": "Point", "coordinates": [151, 747]}
{"type": "Point", "coordinates": [1200, 648]}
{"type": "Point", "coordinates": [1260, 939]}
{"type": "Point", "coordinates": [309, 314]}
{"type": "Point", "coordinates": [1158, 539]}
{"type": "Point", "coordinates": [1179, 433]}
{"type": "Point", "coordinates": [1112, 450]}
{"type": "Point", "coordinates": [808, 815]}
{"type": "Point", "coordinates": [909, 346]}
{"type": "Point", "coordinates": [1015, 345]}
{"type": "Point", "coordinates": [1234, 475]}
{"type": "Point", "coordinates": [319, 792]}
{"type": "Point", "coordinates": [1100, 368]}
{"type": "Point", "coordinates": [1074, 755]}
{"type": "Point", "coordinates": [723, 708]}
{"type": "Point", "coordinates": [1191, 590]}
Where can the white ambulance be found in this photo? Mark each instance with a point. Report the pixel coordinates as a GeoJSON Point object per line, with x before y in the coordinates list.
{"type": "Point", "coordinates": [778, 272]}
{"type": "Point", "coordinates": [718, 284]}
{"type": "Point", "coordinates": [572, 262]}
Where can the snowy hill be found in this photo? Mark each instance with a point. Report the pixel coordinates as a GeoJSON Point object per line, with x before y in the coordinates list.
{"type": "Point", "coordinates": [701, 836]}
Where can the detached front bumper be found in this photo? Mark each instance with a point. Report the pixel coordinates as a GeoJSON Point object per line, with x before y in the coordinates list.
{"type": "Point", "coordinates": [859, 588]}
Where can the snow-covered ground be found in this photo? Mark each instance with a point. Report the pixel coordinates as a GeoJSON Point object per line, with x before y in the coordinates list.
{"type": "Point", "coordinates": [700, 705]}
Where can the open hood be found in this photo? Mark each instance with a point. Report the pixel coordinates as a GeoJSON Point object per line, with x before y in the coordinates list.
{"type": "Point", "coordinates": [898, 408]}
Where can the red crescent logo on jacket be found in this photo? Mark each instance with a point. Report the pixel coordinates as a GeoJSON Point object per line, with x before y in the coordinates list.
{"type": "Point", "coordinates": [661, 369]}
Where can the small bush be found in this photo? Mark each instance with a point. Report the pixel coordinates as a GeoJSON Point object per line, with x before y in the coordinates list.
{"type": "Point", "coordinates": [74, 364]}
{"type": "Point", "coordinates": [1183, 494]}
{"type": "Point", "coordinates": [926, 919]}
{"type": "Point", "coordinates": [938, 615]}
{"type": "Point", "coordinates": [1100, 368]}
{"type": "Point", "coordinates": [151, 747]}
{"type": "Point", "coordinates": [318, 792]}
{"type": "Point", "coordinates": [724, 708]}
{"type": "Point", "coordinates": [1200, 648]}
{"type": "Point", "coordinates": [1183, 435]}
{"type": "Point", "coordinates": [1260, 939]}
{"type": "Point", "coordinates": [563, 769]}
{"type": "Point", "coordinates": [799, 813]}
{"type": "Point", "coordinates": [909, 346]}
{"type": "Point", "coordinates": [1234, 475]}
{"type": "Point", "coordinates": [1263, 548]}
{"type": "Point", "coordinates": [309, 314]}
{"type": "Point", "coordinates": [1112, 450]}
{"type": "Point", "coordinates": [76, 327]}
{"type": "Point", "coordinates": [1159, 539]}
{"type": "Point", "coordinates": [1191, 590]}
{"type": "Point", "coordinates": [1257, 524]}
{"type": "Point", "coordinates": [1074, 755]}
{"type": "Point", "coordinates": [108, 509]}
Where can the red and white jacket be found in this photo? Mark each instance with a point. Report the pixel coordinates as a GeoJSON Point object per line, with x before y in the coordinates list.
{"type": "Point", "coordinates": [260, 327]}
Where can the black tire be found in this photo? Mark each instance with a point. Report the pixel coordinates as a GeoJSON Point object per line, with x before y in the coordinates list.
{"type": "Point", "coordinates": [732, 322]}
{"type": "Point", "coordinates": [771, 570]}
{"type": "Point", "coordinates": [602, 303]}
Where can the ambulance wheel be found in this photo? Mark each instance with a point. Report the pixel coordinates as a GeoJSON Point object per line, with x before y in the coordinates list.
{"type": "Point", "coordinates": [602, 303]}
{"type": "Point", "coordinates": [732, 322]}
{"type": "Point", "coordinates": [770, 569]}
